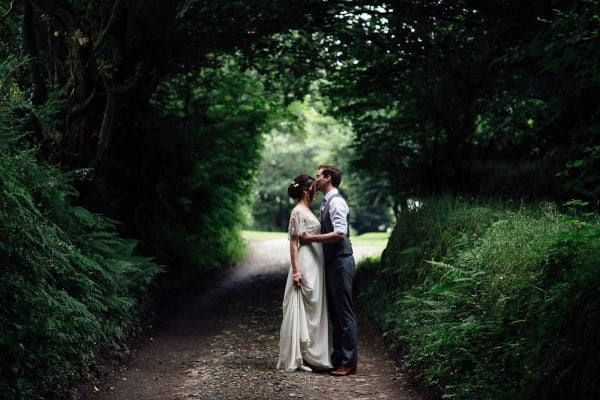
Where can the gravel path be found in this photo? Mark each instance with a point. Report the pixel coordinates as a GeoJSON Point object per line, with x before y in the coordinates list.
{"type": "Point", "coordinates": [223, 344]}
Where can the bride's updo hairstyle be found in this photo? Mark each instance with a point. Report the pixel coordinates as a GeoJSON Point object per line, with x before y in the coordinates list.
{"type": "Point", "coordinates": [300, 184]}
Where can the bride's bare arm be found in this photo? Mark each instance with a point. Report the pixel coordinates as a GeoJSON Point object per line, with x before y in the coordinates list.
{"type": "Point", "coordinates": [296, 274]}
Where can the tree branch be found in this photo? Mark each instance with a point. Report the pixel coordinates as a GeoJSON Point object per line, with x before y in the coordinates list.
{"type": "Point", "coordinates": [102, 35]}
{"type": "Point", "coordinates": [7, 13]}
{"type": "Point", "coordinates": [107, 123]}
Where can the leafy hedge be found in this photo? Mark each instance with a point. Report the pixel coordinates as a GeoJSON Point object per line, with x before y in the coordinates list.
{"type": "Point", "coordinates": [211, 152]}
{"type": "Point", "coordinates": [178, 179]}
{"type": "Point", "coordinates": [70, 287]}
{"type": "Point", "coordinates": [492, 301]}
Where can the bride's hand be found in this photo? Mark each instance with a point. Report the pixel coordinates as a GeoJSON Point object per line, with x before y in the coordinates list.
{"type": "Point", "coordinates": [297, 277]}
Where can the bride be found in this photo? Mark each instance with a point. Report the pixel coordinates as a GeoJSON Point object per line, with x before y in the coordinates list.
{"type": "Point", "coordinates": [304, 335]}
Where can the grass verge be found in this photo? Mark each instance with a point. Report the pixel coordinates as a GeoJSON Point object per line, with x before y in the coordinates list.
{"type": "Point", "coordinates": [490, 300]}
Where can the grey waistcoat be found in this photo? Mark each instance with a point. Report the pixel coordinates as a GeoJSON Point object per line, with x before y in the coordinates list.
{"type": "Point", "coordinates": [341, 248]}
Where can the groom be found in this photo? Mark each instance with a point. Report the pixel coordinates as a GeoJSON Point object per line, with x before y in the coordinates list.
{"type": "Point", "coordinates": [339, 269]}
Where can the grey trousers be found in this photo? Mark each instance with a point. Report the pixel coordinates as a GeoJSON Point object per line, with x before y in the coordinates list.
{"type": "Point", "coordinates": [339, 272]}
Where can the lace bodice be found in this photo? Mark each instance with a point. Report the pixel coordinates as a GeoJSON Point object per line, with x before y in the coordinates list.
{"type": "Point", "coordinates": [303, 220]}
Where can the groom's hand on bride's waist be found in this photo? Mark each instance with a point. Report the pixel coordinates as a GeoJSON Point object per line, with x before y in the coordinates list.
{"type": "Point", "coordinates": [331, 237]}
{"type": "Point", "coordinates": [306, 238]}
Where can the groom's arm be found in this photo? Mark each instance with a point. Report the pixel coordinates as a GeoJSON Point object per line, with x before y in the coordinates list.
{"type": "Point", "coordinates": [338, 211]}
{"type": "Point", "coordinates": [330, 237]}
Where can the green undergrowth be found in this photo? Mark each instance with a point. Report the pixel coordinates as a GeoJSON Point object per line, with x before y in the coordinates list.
{"type": "Point", "coordinates": [488, 300]}
{"type": "Point", "coordinates": [70, 287]}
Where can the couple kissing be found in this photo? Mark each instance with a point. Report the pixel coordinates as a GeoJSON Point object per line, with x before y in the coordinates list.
{"type": "Point", "coordinates": [318, 290]}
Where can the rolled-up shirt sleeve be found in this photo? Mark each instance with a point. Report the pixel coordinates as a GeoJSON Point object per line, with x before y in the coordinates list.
{"type": "Point", "coordinates": [338, 210]}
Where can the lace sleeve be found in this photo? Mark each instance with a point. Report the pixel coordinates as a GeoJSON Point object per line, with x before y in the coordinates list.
{"type": "Point", "coordinates": [296, 225]}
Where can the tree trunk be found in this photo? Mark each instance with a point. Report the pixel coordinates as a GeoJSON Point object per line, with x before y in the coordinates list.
{"type": "Point", "coordinates": [90, 112]}
{"type": "Point", "coordinates": [30, 43]}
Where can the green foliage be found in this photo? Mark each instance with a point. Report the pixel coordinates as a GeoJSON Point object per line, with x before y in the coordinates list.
{"type": "Point", "coordinates": [582, 175]}
{"type": "Point", "coordinates": [490, 300]}
{"type": "Point", "coordinates": [167, 101]}
{"type": "Point", "coordinates": [469, 97]}
{"type": "Point", "coordinates": [199, 166]}
{"type": "Point", "coordinates": [70, 287]}
{"type": "Point", "coordinates": [151, 101]}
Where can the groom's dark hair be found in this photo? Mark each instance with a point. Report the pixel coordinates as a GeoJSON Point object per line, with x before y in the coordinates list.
{"type": "Point", "coordinates": [333, 172]}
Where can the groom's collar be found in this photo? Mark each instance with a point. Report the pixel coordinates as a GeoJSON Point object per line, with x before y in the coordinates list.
{"type": "Point", "coordinates": [329, 194]}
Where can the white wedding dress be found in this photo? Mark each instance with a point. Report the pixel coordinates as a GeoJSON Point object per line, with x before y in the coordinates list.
{"type": "Point", "coordinates": [304, 331]}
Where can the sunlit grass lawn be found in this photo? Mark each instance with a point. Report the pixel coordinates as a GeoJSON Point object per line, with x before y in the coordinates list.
{"type": "Point", "coordinates": [259, 236]}
{"type": "Point", "coordinates": [376, 240]}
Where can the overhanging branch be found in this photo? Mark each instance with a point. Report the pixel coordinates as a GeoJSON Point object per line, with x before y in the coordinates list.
{"type": "Point", "coordinates": [102, 35]}
{"type": "Point", "coordinates": [11, 7]}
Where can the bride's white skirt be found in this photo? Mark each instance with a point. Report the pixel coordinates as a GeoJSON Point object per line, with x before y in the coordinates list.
{"type": "Point", "coordinates": [304, 331]}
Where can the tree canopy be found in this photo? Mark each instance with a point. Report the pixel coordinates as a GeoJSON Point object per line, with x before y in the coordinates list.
{"type": "Point", "coordinates": [153, 116]}
{"type": "Point", "coordinates": [467, 97]}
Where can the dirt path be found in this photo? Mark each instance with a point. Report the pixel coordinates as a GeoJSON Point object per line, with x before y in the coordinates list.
{"type": "Point", "coordinates": [224, 345]}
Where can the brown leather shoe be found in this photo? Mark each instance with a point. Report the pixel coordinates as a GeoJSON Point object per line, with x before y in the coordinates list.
{"type": "Point", "coordinates": [343, 370]}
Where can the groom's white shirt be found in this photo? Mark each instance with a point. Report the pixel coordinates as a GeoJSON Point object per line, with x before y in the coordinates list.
{"type": "Point", "coordinates": [338, 210]}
